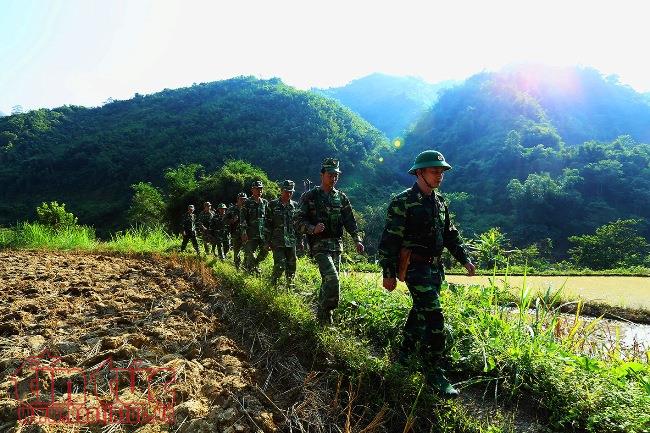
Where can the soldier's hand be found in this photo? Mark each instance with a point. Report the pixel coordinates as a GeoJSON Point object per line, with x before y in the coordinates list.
{"type": "Point", "coordinates": [471, 269]}
{"type": "Point", "coordinates": [244, 237]}
{"type": "Point", "coordinates": [390, 284]}
{"type": "Point", "coordinates": [360, 248]}
{"type": "Point", "coordinates": [319, 228]}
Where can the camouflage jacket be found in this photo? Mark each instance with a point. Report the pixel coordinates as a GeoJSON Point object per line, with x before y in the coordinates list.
{"type": "Point", "coordinates": [232, 219]}
{"type": "Point", "coordinates": [189, 226]}
{"type": "Point", "coordinates": [252, 218]}
{"type": "Point", "coordinates": [203, 220]}
{"type": "Point", "coordinates": [420, 223]}
{"type": "Point", "coordinates": [332, 209]}
{"type": "Point", "coordinates": [280, 223]}
{"type": "Point", "coordinates": [219, 226]}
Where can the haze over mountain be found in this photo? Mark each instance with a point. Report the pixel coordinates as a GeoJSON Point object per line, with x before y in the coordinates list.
{"type": "Point", "coordinates": [540, 152]}
{"type": "Point", "coordinates": [390, 103]}
{"type": "Point", "coordinates": [88, 158]}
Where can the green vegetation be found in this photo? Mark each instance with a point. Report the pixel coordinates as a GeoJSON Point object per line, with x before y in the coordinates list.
{"type": "Point", "coordinates": [54, 215]}
{"type": "Point", "coordinates": [89, 158]}
{"type": "Point", "coordinates": [35, 235]}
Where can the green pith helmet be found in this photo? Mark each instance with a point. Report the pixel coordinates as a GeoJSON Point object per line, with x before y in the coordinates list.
{"type": "Point", "coordinates": [222, 206]}
{"type": "Point", "coordinates": [288, 185]}
{"type": "Point", "coordinates": [330, 165]}
{"type": "Point", "coordinates": [429, 158]}
{"type": "Point", "coordinates": [207, 203]}
{"type": "Point", "coordinates": [257, 184]}
{"type": "Point", "coordinates": [242, 195]}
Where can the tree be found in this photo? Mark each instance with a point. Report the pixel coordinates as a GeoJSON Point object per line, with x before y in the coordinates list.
{"type": "Point", "coordinates": [617, 244]}
{"type": "Point", "coordinates": [17, 109]}
{"type": "Point", "coordinates": [147, 205]}
{"type": "Point", "coordinates": [54, 215]}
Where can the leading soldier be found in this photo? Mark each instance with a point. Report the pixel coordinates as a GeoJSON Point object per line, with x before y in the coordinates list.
{"type": "Point", "coordinates": [324, 212]}
{"type": "Point", "coordinates": [417, 229]}
{"type": "Point", "coordinates": [282, 233]}
{"type": "Point", "coordinates": [253, 227]}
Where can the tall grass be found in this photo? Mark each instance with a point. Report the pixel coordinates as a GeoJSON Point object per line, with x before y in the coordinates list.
{"type": "Point", "coordinates": [141, 239]}
{"type": "Point", "coordinates": [35, 235]}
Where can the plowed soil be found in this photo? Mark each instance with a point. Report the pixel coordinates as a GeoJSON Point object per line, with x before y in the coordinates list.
{"type": "Point", "coordinates": [79, 310]}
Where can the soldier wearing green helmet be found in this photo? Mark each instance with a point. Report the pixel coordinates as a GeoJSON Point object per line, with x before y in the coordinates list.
{"type": "Point", "coordinates": [280, 225]}
{"type": "Point", "coordinates": [324, 213]}
{"type": "Point", "coordinates": [252, 224]}
{"type": "Point", "coordinates": [417, 229]}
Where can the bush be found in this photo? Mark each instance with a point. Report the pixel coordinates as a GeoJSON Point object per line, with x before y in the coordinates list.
{"type": "Point", "coordinates": [54, 215]}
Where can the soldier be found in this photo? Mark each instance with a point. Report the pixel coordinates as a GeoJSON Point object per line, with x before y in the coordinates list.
{"type": "Point", "coordinates": [253, 228]}
{"type": "Point", "coordinates": [417, 228]}
{"type": "Point", "coordinates": [324, 212]}
{"type": "Point", "coordinates": [282, 233]}
{"type": "Point", "coordinates": [189, 230]}
{"type": "Point", "coordinates": [219, 231]}
{"type": "Point", "coordinates": [203, 220]}
{"type": "Point", "coordinates": [232, 217]}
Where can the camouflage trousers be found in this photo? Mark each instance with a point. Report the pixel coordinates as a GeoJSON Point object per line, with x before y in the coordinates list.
{"type": "Point", "coordinates": [424, 330]}
{"type": "Point", "coordinates": [252, 262]}
{"type": "Point", "coordinates": [221, 245]}
{"type": "Point", "coordinates": [236, 248]}
{"type": "Point", "coordinates": [284, 260]}
{"type": "Point", "coordinates": [329, 263]}
{"type": "Point", "coordinates": [208, 239]}
{"type": "Point", "coordinates": [186, 239]}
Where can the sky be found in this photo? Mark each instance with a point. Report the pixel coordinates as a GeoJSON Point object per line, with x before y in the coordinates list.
{"type": "Point", "coordinates": [82, 52]}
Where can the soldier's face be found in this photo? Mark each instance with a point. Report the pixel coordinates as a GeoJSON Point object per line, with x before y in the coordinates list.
{"type": "Point", "coordinates": [433, 175]}
{"type": "Point", "coordinates": [329, 179]}
{"type": "Point", "coordinates": [257, 192]}
{"type": "Point", "coordinates": [240, 201]}
{"type": "Point", "coordinates": [221, 211]}
{"type": "Point", "coordinates": [286, 195]}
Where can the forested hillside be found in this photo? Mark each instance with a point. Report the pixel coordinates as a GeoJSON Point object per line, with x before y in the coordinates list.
{"type": "Point", "coordinates": [89, 158]}
{"type": "Point", "coordinates": [391, 104]}
{"type": "Point", "coordinates": [541, 154]}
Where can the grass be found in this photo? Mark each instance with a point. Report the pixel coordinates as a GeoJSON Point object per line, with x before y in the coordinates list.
{"type": "Point", "coordinates": [34, 235]}
{"type": "Point", "coordinates": [497, 346]}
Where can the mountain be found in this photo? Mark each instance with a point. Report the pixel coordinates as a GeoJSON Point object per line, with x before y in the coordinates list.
{"type": "Point", "coordinates": [539, 152]}
{"type": "Point", "coordinates": [390, 103]}
{"type": "Point", "coordinates": [88, 158]}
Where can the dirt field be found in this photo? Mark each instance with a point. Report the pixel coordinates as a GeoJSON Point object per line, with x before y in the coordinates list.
{"type": "Point", "coordinates": [87, 309]}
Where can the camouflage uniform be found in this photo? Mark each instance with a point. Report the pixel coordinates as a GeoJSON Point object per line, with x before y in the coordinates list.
{"type": "Point", "coordinates": [219, 232]}
{"type": "Point", "coordinates": [232, 218]}
{"type": "Point", "coordinates": [203, 221]}
{"type": "Point", "coordinates": [421, 223]}
{"type": "Point", "coordinates": [282, 235]}
{"type": "Point", "coordinates": [333, 209]}
{"type": "Point", "coordinates": [252, 223]}
{"type": "Point", "coordinates": [189, 232]}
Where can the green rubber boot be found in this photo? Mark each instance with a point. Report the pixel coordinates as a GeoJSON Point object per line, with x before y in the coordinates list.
{"type": "Point", "coordinates": [436, 378]}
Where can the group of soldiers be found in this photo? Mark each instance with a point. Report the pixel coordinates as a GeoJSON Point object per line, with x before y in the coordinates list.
{"type": "Point", "coordinates": [417, 229]}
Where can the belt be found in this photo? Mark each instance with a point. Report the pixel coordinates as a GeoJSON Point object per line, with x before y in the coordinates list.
{"type": "Point", "coordinates": [417, 258]}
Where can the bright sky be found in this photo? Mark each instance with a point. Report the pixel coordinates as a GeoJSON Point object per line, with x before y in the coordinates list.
{"type": "Point", "coordinates": [84, 51]}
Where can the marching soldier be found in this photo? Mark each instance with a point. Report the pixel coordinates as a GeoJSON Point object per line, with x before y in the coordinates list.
{"type": "Point", "coordinates": [253, 227]}
{"type": "Point", "coordinates": [417, 229]}
{"type": "Point", "coordinates": [189, 230]}
{"type": "Point", "coordinates": [203, 221]}
{"type": "Point", "coordinates": [324, 212]}
{"type": "Point", "coordinates": [232, 218]}
{"type": "Point", "coordinates": [282, 233]}
{"type": "Point", "coordinates": [219, 231]}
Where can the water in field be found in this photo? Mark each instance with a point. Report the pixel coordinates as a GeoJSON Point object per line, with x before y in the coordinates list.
{"type": "Point", "coordinates": [630, 292]}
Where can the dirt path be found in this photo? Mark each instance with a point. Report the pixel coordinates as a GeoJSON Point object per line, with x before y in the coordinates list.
{"type": "Point", "coordinates": [145, 319]}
